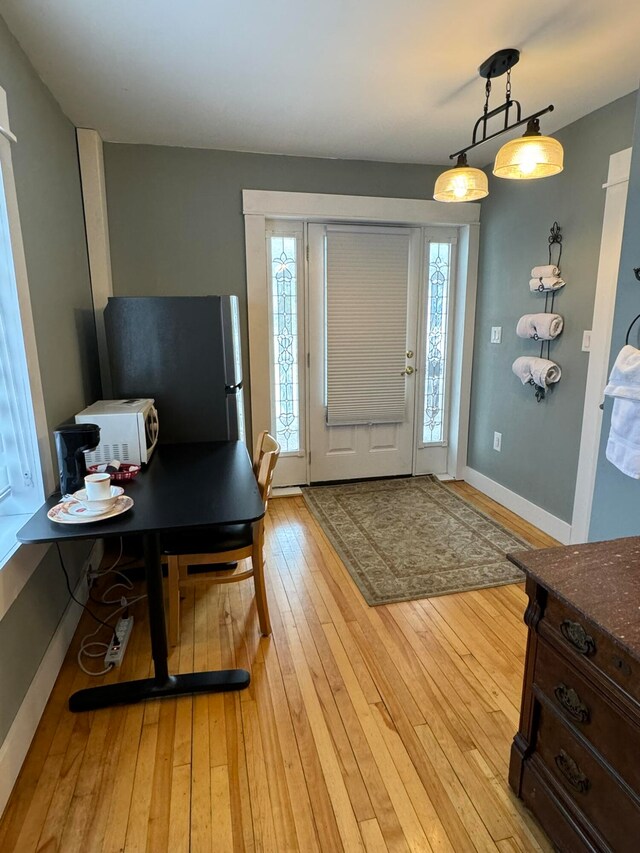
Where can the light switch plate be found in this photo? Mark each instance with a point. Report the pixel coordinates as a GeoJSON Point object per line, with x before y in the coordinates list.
{"type": "Point", "coordinates": [586, 341]}
{"type": "Point", "coordinates": [497, 441]}
{"type": "Point", "coordinates": [496, 334]}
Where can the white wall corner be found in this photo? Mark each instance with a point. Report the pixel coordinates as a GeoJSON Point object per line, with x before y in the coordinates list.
{"type": "Point", "coordinates": [15, 746]}
{"type": "Point", "coordinates": [94, 196]}
{"type": "Point", "coordinates": [534, 514]}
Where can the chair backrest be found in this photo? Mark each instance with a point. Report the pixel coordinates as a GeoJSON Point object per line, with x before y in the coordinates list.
{"type": "Point", "coordinates": [259, 451]}
{"type": "Point", "coordinates": [267, 468]}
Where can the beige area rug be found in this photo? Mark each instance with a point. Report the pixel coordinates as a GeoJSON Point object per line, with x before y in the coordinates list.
{"type": "Point", "coordinates": [412, 538]}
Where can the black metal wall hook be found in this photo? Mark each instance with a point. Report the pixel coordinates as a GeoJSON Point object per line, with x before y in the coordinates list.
{"type": "Point", "coordinates": [631, 325]}
{"type": "Point", "coordinates": [555, 239]}
{"type": "Point", "coordinates": [636, 272]}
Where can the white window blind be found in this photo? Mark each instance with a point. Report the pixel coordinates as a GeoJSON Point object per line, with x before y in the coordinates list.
{"type": "Point", "coordinates": [17, 463]}
{"type": "Point", "coordinates": [366, 300]}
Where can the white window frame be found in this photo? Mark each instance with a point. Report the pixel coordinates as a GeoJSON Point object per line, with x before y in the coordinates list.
{"type": "Point", "coordinates": [26, 374]}
{"type": "Point", "coordinates": [262, 205]}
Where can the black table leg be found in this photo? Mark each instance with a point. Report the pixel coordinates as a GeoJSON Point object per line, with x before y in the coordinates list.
{"type": "Point", "coordinates": [157, 624]}
{"type": "Point", "coordinates": [162, 684]}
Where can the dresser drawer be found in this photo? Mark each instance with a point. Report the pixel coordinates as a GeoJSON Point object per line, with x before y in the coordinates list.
{"type": "Point", "coordinates": [578, 635]}
{"type": "Point", "coordinates": [605, 803]}
{"type": "Point", "coordinates": [608, 729]}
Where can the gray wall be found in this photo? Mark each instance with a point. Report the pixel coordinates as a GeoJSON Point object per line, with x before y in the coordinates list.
{"type": "Point", "coordinates": [540, 441]}
{"type": "Point", "coordinates": [49, 198]}
{"type": "Point", "coordinates": [175, 214]}
{"type": "Point", "coordinates": [616, 500]}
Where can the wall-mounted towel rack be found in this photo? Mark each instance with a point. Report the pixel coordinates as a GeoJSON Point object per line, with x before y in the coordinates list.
{"type": "Point", "coordinates": [521, 365]}
{"type": "Point", "coordinates": [555, 240]}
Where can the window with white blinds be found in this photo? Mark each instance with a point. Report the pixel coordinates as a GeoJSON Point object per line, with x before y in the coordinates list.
{"type": "Point", "coordinates": [20, 477]}
{"type": "Point", "coordinates": [366, 322]}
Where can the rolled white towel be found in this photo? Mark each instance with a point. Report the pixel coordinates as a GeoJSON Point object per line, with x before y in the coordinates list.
{"type": "Point", "coordinates": [541, 370]}
{"type": "Point", "coordinates": [549, 270]}
{"type": "Point", "coordinates": [546, 282]}
{"type": "Point", "coordinates": [541, 327]}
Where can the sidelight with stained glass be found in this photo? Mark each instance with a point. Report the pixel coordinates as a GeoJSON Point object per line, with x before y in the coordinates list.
{"type": "Point", "coordinates": [284, 302]}
{"type": "Point", "coordinates": [438, 261]}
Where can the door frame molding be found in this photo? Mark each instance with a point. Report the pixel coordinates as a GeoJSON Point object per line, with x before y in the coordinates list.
{"type": "Point", "coordinates": [602, 326]}
{"type": "Point", "coordinates": [260, 205]}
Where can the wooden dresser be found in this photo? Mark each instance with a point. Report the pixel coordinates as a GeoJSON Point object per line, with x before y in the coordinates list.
{"type": "Point", "coordinates": [575, 760]}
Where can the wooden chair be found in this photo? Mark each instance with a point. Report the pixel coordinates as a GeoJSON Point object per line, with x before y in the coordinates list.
{"type": "Point", "coordinates": [263, 444]}
{"type": "Point", "coordinates": [227, 544]}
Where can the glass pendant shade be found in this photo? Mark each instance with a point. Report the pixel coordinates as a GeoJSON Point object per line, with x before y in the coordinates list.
{"type": "Point", "coordinates": [532, 156]}
{"type": "Point", "coordinates": [462, 183]}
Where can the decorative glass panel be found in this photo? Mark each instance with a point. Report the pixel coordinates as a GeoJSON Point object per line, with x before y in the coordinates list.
{"type": "Point", "coordinates": [437, 309]}
{"type": "Point", "coordinates": [284, 281]}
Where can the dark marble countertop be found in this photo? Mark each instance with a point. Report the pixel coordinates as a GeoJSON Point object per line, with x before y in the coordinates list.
{"type": "Point", "coordinates": [600, 579]}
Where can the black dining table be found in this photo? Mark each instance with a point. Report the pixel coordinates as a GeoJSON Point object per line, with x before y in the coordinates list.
{"type": "Point", "coordinates": [184, 486]}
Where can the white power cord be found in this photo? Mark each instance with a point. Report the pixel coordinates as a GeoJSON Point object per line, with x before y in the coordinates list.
{"type": "Point", "coordinates": [89, 647]}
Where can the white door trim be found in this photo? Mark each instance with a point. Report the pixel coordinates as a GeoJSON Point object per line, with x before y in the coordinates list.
{"type": "Point", "coordinates": [96, 220]}
{"type": "Point", "coordinates": [259, 205]}
{"type": "Point", "coordinates": [354, 208]}
{"type": "Point", "coordinates": [606, 286]}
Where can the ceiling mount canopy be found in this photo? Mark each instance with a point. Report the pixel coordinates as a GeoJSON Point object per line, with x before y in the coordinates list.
{"type": "Point", "coordinates": [530, 157]}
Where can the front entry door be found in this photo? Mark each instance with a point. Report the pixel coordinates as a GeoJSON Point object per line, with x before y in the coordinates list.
{"type": "Point", "coordinates": [363, 304]}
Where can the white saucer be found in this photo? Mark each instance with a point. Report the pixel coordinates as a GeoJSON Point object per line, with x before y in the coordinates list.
{"type": "Point", "coordinates": [98, 507]}
{"type": "Point", "coordinates": [71, 512]}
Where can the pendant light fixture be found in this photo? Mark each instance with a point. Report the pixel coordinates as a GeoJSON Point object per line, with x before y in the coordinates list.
{"type": "Point", "coordinates": [462, 183]}
{"type": "Point", "coordinates": [530, 157]}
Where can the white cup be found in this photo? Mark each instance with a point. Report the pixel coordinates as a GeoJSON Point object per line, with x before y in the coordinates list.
{"type": "Point", "coordinates": [98, 487]}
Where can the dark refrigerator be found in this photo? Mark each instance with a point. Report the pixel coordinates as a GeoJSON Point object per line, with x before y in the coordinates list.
{"type": "Point", "coordinates": [184, 351]}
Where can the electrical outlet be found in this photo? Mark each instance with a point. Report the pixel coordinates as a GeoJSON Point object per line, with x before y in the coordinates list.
{"type": "Point", "coordinates": [497, 441]}
{"type": "Point", "coordinates": [496, 334]}
{"type": "Point", "coordinates": [118, 644]}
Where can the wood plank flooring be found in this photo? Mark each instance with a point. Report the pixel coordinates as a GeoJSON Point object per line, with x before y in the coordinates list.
{"type": "Point", "coordinates": [364, 729]}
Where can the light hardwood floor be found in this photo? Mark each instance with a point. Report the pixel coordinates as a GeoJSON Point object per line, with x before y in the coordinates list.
{"type": "Point", "coordinates": [372, 729]}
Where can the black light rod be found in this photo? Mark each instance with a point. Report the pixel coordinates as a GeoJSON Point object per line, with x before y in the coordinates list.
{"type": "Point", "coordinates": [548, 109]}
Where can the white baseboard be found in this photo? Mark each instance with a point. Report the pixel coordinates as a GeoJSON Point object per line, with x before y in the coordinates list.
{"type": "Point", "coordinates": [534, 514]}
{"type": "Point", "coordinates": [286, 491]}
{"type": "Point", "coordinates": [18, 740]}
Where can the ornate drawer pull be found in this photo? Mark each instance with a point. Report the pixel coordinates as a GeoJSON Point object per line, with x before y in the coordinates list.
{"type": "Point", "coordinates": [578, 637]}
{"type": "Point", "coordinates": [571, 772]}
{"type": "Point", "coordinates": [572, 703]}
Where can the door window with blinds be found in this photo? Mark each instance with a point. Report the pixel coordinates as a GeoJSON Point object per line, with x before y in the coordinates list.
{"type": "Point", "coordinates": [366, 322]}
{"type": "Point", "coordinates": [20, 476]}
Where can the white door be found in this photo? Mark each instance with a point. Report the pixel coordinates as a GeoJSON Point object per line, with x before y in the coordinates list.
{"type": "Point", "coordinates": [364, 284]}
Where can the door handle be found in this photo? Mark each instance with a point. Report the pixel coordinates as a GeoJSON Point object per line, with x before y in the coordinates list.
{"type": "Point", "coordinates": [408, 371]}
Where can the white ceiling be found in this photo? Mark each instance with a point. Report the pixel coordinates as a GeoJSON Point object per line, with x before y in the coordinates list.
{"type": "Point", "coordinates": [365, 79]}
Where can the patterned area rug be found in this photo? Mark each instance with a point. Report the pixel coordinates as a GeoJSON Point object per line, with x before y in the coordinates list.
{"type": "Point", "coordinates": [413, 538]}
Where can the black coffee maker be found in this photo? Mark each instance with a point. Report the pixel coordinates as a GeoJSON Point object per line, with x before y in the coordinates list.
{"type": "Point", "coordinates": [72, 440]}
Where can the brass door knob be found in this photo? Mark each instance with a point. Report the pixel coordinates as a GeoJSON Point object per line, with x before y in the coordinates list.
{"type": "Point", "coordinates": [408, 370]}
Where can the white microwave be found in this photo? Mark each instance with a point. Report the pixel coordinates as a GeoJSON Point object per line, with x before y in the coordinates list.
{"type": "Point", "coordinates": [128, 430]}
